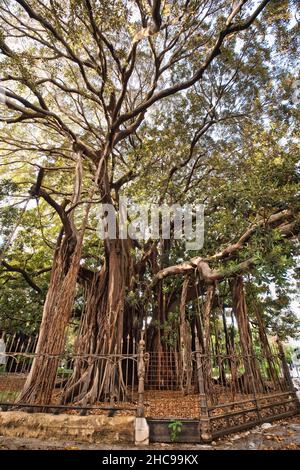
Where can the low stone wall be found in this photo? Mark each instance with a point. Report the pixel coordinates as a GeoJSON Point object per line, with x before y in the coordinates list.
{"type": "Point", "coordinates": [91, 428]}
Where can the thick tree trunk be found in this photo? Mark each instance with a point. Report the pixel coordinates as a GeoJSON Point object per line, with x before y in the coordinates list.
{"type": "Point", "coordinates": [101, 332]}
{"type": "Point", "coordinates": [228, 345]}
{"type": "Point", "coordinates": [218, 350]}
{"type": "Point", "coordinates": [164, 362]}
{"type": "Point", "coordinates": [251, 380]}
{"type": "Point", "coordinates": [185, 343]}
{"type": "Point", "coordinates": [60, 296]}
{"type": "Point", "coordinates": [207, 313]}
{"type": "Point", "coordinates": [57, 310]}
{"type": "Point", "coordinates": [266, 349]}
{"type": "Point", "coordinates": [229, 349]}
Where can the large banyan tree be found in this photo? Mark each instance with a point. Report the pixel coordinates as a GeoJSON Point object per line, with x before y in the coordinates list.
{"type": "Point", "coordinates": [162, 102]}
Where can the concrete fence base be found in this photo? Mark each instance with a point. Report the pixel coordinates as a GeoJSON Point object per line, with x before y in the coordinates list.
{"type": "Point", "coordinates": [92, 429]}
{"type": "Point", "coordinates": [141, 432]}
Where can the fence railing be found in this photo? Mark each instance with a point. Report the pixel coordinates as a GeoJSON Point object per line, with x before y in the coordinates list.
{"type": "Point", "coordinates": [224, 392]}
{"type": "Point", "coordinates": [76, 376]}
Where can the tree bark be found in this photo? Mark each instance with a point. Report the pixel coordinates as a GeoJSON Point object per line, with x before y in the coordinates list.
{"type": "Point", "coordinates": [60, 297]}
{"type": "Point", "coordinates": [251, 380]}
{"type": "Point", "coordinates": [101, 332]}
{"type": "Point", "coordinates": [273, 376]}
{"type": "Point", "coordinates": [185, 343]}
{"type": "Point", "coordinates": [56, 314]}
{"type": "Point", "coordinates": [207, 312]}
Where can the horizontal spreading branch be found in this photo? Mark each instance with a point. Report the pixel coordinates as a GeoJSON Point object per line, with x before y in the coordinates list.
{"type": "Point", "coordinates": [273, 221]}
{"type": "Point", "coordinates": [285, 221]}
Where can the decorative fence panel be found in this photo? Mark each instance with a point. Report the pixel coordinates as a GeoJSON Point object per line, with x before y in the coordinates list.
{"type": "Point", "coordinates": [224, 393]}
{"type": "Point", "coordinates": [119, 394]}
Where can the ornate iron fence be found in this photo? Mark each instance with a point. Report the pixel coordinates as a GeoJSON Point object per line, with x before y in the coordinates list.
{"type": "Point", "coordinates": [120, 394]}
{"type": "Point", "coordinates": [224, 393]}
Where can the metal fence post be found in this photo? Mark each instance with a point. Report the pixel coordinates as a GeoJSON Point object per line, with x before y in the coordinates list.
{"type": "Point", "coordinates": [205, 428]}
{"type": "Point", "coordinates": [141, 378]}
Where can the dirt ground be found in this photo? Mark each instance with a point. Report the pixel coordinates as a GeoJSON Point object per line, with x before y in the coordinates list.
{"type": "Point", "coordinates": [281, 435]}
